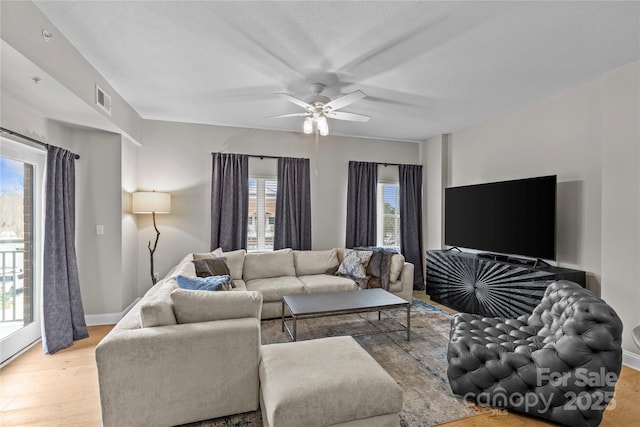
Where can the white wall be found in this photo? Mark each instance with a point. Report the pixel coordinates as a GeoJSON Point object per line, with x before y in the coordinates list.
{"type": "Point", "coordinates": [99, 186]}
{"type": "Point", "coordinates": [588, 137]}
{"type": "Point", "coordinates": [560, 136]}
{"type": "Point", "coordinates": [434, 157]}
{"type": "Point", "coordinates": [176, 157]}
{"type": "Point", "coordinates": [129, 169]}
{"type": "Point", "coordinates": [620, 249]}
{"type": "Point", "coordinates": [22, 24]}
{"type": "Point", "coordinates": [98, 201]}
{"type": "Point", "coordinates": [25, 121]}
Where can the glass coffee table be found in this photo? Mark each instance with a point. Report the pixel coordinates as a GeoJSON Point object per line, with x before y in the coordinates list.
{"type": "Point", "coordinates": [336, 303]}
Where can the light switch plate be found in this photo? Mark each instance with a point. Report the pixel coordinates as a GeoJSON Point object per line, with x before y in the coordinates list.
{"type": "Point", "coordinates": [100, 229]}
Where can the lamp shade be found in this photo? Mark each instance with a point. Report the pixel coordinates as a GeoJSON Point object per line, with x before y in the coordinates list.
{"type": "Point", "coordinates": [146, 202]}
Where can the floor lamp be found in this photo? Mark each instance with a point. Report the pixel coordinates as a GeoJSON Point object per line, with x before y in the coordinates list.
{"type": "Point", "coordinates": [151, 202]}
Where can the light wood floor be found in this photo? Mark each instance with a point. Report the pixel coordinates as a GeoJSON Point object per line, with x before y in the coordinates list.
{"type": "Point", "coordinates": [62, 390]}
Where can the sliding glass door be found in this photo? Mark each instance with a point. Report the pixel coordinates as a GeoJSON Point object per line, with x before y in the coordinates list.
{"type": "Point", "coordinates": [21, 207]}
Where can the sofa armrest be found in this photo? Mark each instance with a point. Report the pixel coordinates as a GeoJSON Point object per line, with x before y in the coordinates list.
{"type": "Point", "coordinates": [211, 368]}
{"type": "Point", "coordinates": [406, 276]}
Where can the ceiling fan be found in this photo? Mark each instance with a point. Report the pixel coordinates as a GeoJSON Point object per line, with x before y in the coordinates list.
{"type": "Point", "coordinates": [320, 108]}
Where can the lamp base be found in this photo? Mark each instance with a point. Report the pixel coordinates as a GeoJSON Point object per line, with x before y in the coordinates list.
{"type": "Point", "coordinates": [154, 279]}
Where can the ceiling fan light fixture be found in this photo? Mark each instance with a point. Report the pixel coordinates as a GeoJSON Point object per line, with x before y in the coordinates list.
{"type": "Point", "coordinates": [319, 107]}
{"type": "Point", "coordinates": [307, 127]}
{"type": "Point", "coordinates": [323, 127]}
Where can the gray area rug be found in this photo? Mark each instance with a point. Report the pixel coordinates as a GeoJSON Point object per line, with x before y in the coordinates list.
{"type": "Point", "coordinates": [419, 366]}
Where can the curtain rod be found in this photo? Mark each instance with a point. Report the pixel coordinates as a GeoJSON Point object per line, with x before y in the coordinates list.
{"type": "Point", "coordinates": [259, 156]}
{"type": "Point", "coordinates": [35, 141]}
{"type": "Point", "coordinates": [385, 164]}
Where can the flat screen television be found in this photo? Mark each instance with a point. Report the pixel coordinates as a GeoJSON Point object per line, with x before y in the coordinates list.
{"type": "Point", "coordinates": [510, 217]}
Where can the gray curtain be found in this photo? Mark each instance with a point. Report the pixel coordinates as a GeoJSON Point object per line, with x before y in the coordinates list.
{"type": "Point", "coordinates": [229, 201]}
{"type": "Point", "coordinates": [361, 204]}
{"type": "Point", "coordinates": [410, 177]}
{"type": "Point", "coordinates": [293, 205]}
{"type": "Point", "coordinates": [63, 315]}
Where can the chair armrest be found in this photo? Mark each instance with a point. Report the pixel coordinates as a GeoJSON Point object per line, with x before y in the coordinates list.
{"type": "Point", "coordinates": [211, 368]}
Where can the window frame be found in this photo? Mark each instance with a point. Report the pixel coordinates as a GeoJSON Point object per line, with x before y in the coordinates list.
{"type": "Point", "coordinates": [264, 230]}
{"type": "Point", "coordinates": [381, 215]}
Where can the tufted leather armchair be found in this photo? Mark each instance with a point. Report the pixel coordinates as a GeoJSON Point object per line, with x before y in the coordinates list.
{"type": "Point", "coordinates": [560, 362]}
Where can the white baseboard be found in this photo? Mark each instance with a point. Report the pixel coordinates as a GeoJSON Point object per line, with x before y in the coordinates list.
{"type": "Point", "coordinates": [108, 318]}
{"type": "Point", "coordinates": [24, 350]}
{"type": "Point", "coordinates": [631, 360]}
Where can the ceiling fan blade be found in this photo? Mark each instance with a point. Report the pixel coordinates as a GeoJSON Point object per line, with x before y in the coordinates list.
{"type": "Point", "coordinates": [341, 115]}
{"type": "Point", "coordinates": [288, 115]}
{"type": "Point", "coordinates": [343, 101]}
{"type": "Point", "coordinates": [296, 101]}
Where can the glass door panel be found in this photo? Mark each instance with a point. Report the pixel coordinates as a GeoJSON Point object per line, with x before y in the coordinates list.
{"type": "Point", "coordinates": [21, 169]}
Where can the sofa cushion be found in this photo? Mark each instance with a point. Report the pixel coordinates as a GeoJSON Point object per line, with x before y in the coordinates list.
{"type": "Point", "coordinates": [274, 288]}
{"type": "Point", "coordinates": [183, 269]}
{"type": "Point", "coordinates": [268, 264]}
{"type": "Point", "coordinates": [315, 262]}
{"type": "Point", "coordinates": [210, 283]}
{"type": "Point", "coordinates": [157, 310]}
{"type": "Point", "coordinates": [319, 283]}
{"type": "Point", "coordinates": [235, 262]}
{"type": "Point", "coordinates": [354, 263]}
{"type": "Point", "coordinates": [157, 313]}
{"type": "Point", "coordinates": [397, 264]}
{"type": "Point", "coordinates": [171, 273]}
{"type": "Point", "coordinates": [238, 285]}
{"type": "Point", "coordinates": [204, 306]}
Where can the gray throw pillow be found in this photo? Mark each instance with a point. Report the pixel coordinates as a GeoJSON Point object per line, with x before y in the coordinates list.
{"type": "Point", "coordinates": [206, 267]}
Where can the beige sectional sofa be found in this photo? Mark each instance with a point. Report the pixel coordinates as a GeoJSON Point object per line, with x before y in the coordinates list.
{"type": "Point", "coordinates": [180, 356]}
{"type": "Point", "coordinates": [173, 372]}
{"type": "Point", "coordinates": [288, 272]}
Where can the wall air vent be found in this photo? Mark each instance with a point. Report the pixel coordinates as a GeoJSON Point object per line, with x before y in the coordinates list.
{"type": "Point", "coordinates": [103, 100]}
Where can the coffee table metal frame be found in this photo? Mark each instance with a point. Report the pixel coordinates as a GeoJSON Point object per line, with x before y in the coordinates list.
{"type": "Point", "coordinates": [338, 309]}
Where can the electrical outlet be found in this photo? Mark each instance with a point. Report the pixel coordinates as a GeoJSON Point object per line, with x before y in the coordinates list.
{"type": "Point", "coordinates": [100, 229]}
{"type": "Point", "coordinates": [155, 275]}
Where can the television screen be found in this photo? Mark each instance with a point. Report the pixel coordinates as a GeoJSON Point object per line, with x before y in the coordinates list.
{"type": "Point", "coordinates": [510, 217]}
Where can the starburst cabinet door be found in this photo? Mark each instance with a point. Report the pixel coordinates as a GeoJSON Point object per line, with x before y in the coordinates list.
{"type": "Point", "coordinates": [468, 283]}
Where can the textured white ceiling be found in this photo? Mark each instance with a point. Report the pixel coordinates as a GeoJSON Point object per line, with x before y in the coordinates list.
{"type": "Point", "coordinates": [427, 67]}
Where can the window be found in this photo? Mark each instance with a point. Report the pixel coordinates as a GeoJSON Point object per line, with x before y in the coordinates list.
{"type": "Point", "coordinates": [262, 213]}
{"type": "Point", "coordinates": [388, 214]}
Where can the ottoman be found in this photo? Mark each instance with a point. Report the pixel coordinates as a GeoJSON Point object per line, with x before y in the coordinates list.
{"type": "Point", "coordinates": [326, 382]}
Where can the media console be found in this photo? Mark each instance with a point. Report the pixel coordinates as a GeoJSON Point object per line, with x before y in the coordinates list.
{"type": "Point", "coordinates": [490, 287]}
